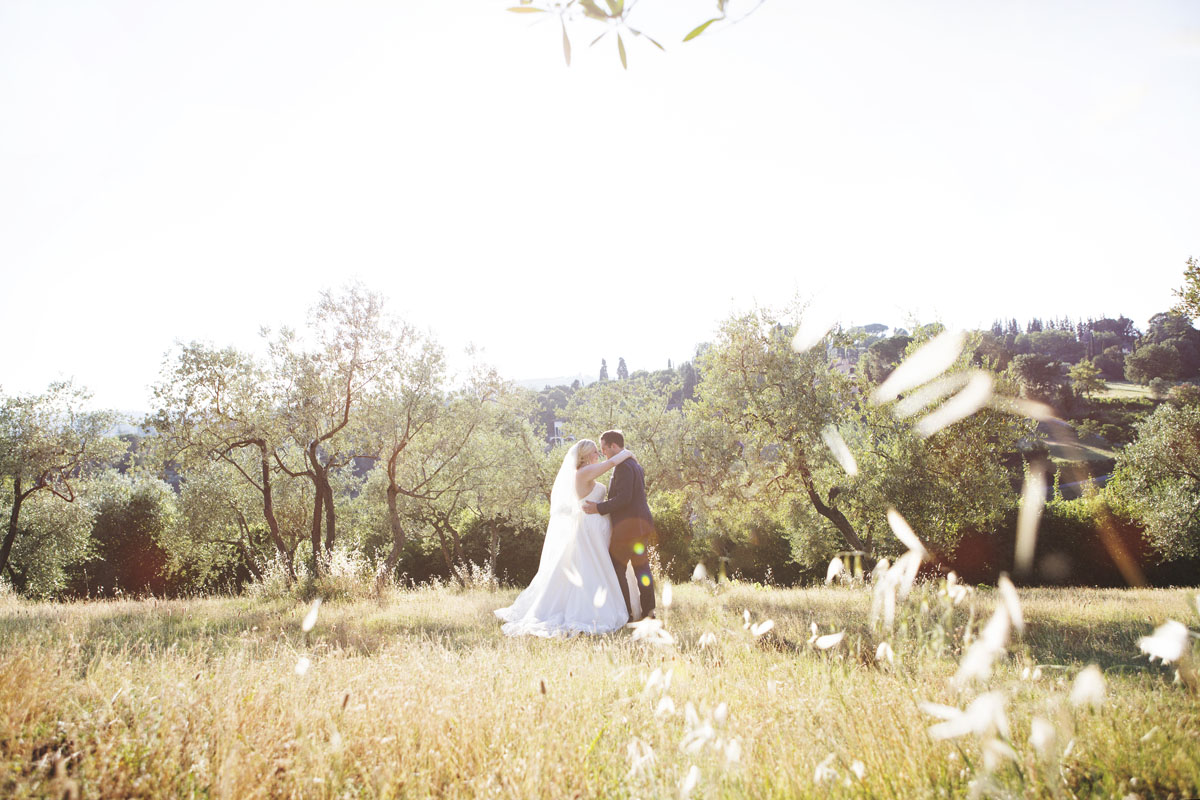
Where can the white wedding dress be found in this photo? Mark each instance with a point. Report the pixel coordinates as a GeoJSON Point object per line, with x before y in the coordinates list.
{"type": "Point", "coordinates": [575, 589]}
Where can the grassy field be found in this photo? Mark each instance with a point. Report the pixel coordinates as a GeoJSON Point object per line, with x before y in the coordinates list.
{"type": "Point", "coordinates": [417, 694]}
{"type": "Point", "coordinates": [1126, 391]}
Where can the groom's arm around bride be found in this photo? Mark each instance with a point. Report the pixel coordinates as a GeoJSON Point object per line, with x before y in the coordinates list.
{"type": "Point", "coordinates": [632, 522]}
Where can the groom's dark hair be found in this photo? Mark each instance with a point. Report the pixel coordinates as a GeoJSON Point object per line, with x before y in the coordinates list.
{"type": "Point", "coordinates": [613, 437]}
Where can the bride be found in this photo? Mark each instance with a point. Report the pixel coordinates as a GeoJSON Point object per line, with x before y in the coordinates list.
{"type": "Point", "coordinates": [575, 589]}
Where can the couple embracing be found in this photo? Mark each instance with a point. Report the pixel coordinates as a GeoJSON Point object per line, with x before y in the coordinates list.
{"type": "Point", "coordinates": [593, 548]}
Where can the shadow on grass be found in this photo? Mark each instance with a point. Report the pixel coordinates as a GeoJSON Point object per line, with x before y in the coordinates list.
{"type": "Point", "coordinates": [1109, 644]}
{"type": "Point", "coordinates": [259, 629]}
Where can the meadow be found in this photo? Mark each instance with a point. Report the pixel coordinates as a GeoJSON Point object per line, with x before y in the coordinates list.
{"type": "Point", "coordinates": [746, 691]}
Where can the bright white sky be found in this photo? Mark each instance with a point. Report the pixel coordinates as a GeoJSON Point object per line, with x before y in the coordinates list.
{"type": "Point", "coordinates": [196, 169]}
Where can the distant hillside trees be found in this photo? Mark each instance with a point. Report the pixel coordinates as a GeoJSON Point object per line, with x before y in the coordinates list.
{"type": "Point", "coordinates": [1040, 376]}
{"type": "Point", "coordinates": [1085, 378]}
{"type": "Point", "coordinates": [1170, 349]}
{"type": "Point", "coordinates": [883, 356]}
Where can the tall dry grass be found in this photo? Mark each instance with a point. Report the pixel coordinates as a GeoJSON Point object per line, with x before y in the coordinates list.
{"type": "Point", "coordinates": [419, 695]}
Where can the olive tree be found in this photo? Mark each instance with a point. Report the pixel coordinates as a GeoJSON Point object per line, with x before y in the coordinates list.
{"type": "Point", "coordinates": [770, 423]}
{"type": "Point", "coordinates": [218, 405]}
{"type": "Point", "coordinates": [324, 384]}
{"type": "Point", "coordinates": [49, 445]}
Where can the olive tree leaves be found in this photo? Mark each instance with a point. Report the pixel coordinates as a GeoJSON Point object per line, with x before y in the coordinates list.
{"type": "Point", "coordinates": [614, 14]}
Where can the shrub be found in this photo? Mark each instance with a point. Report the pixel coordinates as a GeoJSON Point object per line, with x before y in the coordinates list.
{"type": "Point", "coordinates": [1184, 394]}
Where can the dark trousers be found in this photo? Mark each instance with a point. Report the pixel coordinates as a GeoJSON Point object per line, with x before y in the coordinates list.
{"type": "Point", "coordinates": [628, 546]}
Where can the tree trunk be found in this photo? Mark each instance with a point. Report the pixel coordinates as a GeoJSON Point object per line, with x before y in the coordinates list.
{"type": "Point", "coordinates": [830, 513]}
{"type": "Point", "coordinates": [245, 551]}
{"type": "Point", "coordinates": [454, 571]}
{"type": "Point", "coordinates": [315, 535]}
{"type": "Point", "coordinates": [330, 526]}
{"type": "Point", "coordinates": [494, 553]}
{"type": "Point", "coordinates": [320, 479]}
{"type": "Point", "coordinates": [393, 557]}
{"type": "Point", "coordinates": [269, 513]}
{"type": "Point", "coordinates": [11, 534]}
{"type": "Point", "coordinates": [249, 559]}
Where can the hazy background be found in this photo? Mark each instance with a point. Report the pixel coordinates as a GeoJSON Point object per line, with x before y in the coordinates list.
{"type": "Point", "coordinates": [195, 170]}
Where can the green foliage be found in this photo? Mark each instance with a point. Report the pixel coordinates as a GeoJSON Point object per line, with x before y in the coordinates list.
{"type": "Point", "coordinates": [993, 352]}
{"type": "Point", "coordinates": [1184, 394]}
{"type": "Point", "coordinates": [1152, 361]}
{"type": "Point", "coordinates": [1056, 345]}
{"type": "Point", "coordinates": [765, 410]}
{"type": "Point", "coordinates": [883, 356]}
{"type": "Point", "coordinates": [1111, 363]}
{"type": "Point", "coordinates": [219, 531]}
{"type": "Point", "coordinates": [1041, 377]}
{"type": "Point", "coordinates": [50, 444]}
{"type": "Point", "coordinates": [132, 516]}
{"type": "Point", "coordinates": [1158, 479]}
{"type": "Point", "coordinates": [1189, 294]}
{"type": "Point", "coordinates": [640, 408]}
{"type": "Point", "coordinates": [1085, 378]}
{"type": "Point", "coordinates": [1170, 350]}
{"type": "Point", "coordinates": [52, 536]}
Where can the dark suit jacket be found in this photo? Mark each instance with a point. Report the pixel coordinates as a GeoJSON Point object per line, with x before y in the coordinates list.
{"type": "Point", "coordinates": [626, 504]}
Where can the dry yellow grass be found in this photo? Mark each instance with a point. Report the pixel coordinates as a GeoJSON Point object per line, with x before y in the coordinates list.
{"type": "Point", "coordinates": [418, 695]}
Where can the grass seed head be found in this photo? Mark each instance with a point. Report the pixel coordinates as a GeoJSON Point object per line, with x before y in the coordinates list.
{"type": "Point", "coordinates": [995, 753]}
{"type": "Point", "coordinates": [689, 782]}
{"type": "Point", "coordinates": [1042, 736]}
{"type": "Point", "coordinates": [825, 771]}
{"type": "Point", "coordinates": [983, 652]}
{"type": "Point", "coordinates": [904, 531]}
{"type": "Point", "coordinates": [829, 640]}
{"type": "Point", "coordinates": [973, 397]}
{"type": "Point", "coordinates": [836, 568]}
{"type": "Point", "coordinates": [1168, 642]}
{"type": "Point", "coordinates": [1088, 689]}
{"type": "Point", "coordinates": [759, 628]}
{"type": "Point", "coordinates": [813, 327]}
{"type": "Point", "coordinates": [310, 619]}
{"type": "Point", "coordinates": [927, 363]}
{"type": "Point", "coordinates": [841, 452]}
{"type": "Point", "coordinates": [1012, 603]}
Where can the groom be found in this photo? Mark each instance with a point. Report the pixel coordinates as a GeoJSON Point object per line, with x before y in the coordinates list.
{"type": "Point", "coordinates": [632, 523]}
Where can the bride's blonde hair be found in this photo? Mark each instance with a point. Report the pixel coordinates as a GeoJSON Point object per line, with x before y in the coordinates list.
{"type": "Point", "coordinates": [586, 448]}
